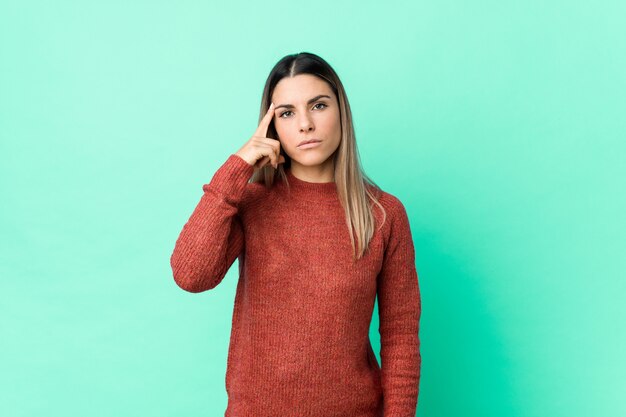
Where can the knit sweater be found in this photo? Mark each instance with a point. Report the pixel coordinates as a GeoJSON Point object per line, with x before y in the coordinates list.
{"type": "Point", "coordinates": [299, 344]}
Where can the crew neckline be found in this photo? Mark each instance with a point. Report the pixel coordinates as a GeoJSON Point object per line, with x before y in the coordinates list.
{"type": "Point", "coordinates": [311, 191]}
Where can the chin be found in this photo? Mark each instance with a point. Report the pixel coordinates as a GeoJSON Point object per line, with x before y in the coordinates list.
{"type": "Point", "coordinates": [311, 160]}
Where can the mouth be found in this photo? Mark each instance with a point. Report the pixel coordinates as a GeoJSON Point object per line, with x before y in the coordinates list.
{"type": "Point", "coordinates": [304, 142]}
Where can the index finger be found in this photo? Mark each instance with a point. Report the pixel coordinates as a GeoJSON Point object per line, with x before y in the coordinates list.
{"type": "Point", "coordinates": [265, 122]}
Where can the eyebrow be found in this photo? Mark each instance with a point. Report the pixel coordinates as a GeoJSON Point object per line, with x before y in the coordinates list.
{"type": "Point", "coordinates": [291, 106]}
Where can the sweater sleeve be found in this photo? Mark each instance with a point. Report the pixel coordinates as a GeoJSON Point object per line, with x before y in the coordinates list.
{"type": "Point", "coordinates": [399, 309]}
{"type": "Point", "coordinates": [212, 238]}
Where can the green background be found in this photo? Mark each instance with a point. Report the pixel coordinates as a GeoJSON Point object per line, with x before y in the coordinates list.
{"type": "Point", "coordinates": [499, 124]}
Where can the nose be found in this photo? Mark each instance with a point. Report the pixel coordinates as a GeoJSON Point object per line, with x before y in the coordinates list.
{"type": "Point", "coordinates": [306, 124]}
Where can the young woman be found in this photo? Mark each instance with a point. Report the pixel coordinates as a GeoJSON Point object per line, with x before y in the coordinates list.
{"type": "Point", "coordinates": [317, 241]}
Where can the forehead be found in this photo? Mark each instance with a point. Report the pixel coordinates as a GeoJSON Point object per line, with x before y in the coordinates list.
{"type": "Point", "coordinates": [300, 88]}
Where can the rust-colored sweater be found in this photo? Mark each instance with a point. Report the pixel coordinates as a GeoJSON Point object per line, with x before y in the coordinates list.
{"type": "Point", "coordinates": [300, 341]}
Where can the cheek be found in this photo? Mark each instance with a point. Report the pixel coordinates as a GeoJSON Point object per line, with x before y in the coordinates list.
{"type": "Point", "coordinates": [335, 123]}
{"type": "Point", "coordinates": [284, 133]}
{"type": "Point", "coordinates": [280, 129]}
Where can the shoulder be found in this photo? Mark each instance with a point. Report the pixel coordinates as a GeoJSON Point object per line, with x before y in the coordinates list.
{"type": "Point", "coordinates": [396, 229]}
{"type": "Point", "coordinates": [391, 203]}
{"type": "Point", "coordinates": [386, 198]}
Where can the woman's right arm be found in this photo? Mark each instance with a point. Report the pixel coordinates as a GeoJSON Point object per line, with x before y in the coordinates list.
{"type": "Point", "coordinates": [213, 236]}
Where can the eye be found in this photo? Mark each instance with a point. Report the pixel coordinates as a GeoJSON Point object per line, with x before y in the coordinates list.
{"type": "Point", "coordinates": [285, 112]}
{"type": "Point", "coordinates": [317, 104]}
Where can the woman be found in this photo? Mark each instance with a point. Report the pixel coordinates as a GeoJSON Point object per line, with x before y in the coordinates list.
{"type": "Point", "coordinates": [317, 241]}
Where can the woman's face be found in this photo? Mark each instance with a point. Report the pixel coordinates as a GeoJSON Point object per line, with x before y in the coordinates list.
{"type": "Point", "coordinates": [306, 108]}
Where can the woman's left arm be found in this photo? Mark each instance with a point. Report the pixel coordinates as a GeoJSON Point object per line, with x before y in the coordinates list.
{"type": "Point", "coordinates": [399, 309]}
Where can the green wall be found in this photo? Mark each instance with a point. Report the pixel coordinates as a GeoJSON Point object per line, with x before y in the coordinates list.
{"type": "Point", "coordinates": [499, 124]}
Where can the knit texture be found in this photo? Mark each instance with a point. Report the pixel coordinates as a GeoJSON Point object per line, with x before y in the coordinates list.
{"type": "Point", "coordinates": [300, 341]}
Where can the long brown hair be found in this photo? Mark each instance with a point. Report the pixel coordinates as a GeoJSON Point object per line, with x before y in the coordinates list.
{"type": "Point", "coordinates": [355, 189]}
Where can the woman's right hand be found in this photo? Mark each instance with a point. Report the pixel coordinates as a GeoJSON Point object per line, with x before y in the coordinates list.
{"type": "Point", "coordinates": [260, 150]}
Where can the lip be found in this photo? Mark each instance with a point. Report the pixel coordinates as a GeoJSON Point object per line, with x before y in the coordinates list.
{"type": "Point", "coordinates": [309, 145]}
{"type": "Point", "coordinates": [309, 142]}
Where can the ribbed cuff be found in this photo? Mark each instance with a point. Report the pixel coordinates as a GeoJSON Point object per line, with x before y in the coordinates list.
{"type": "Point", "coordinates": [230, 180]}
